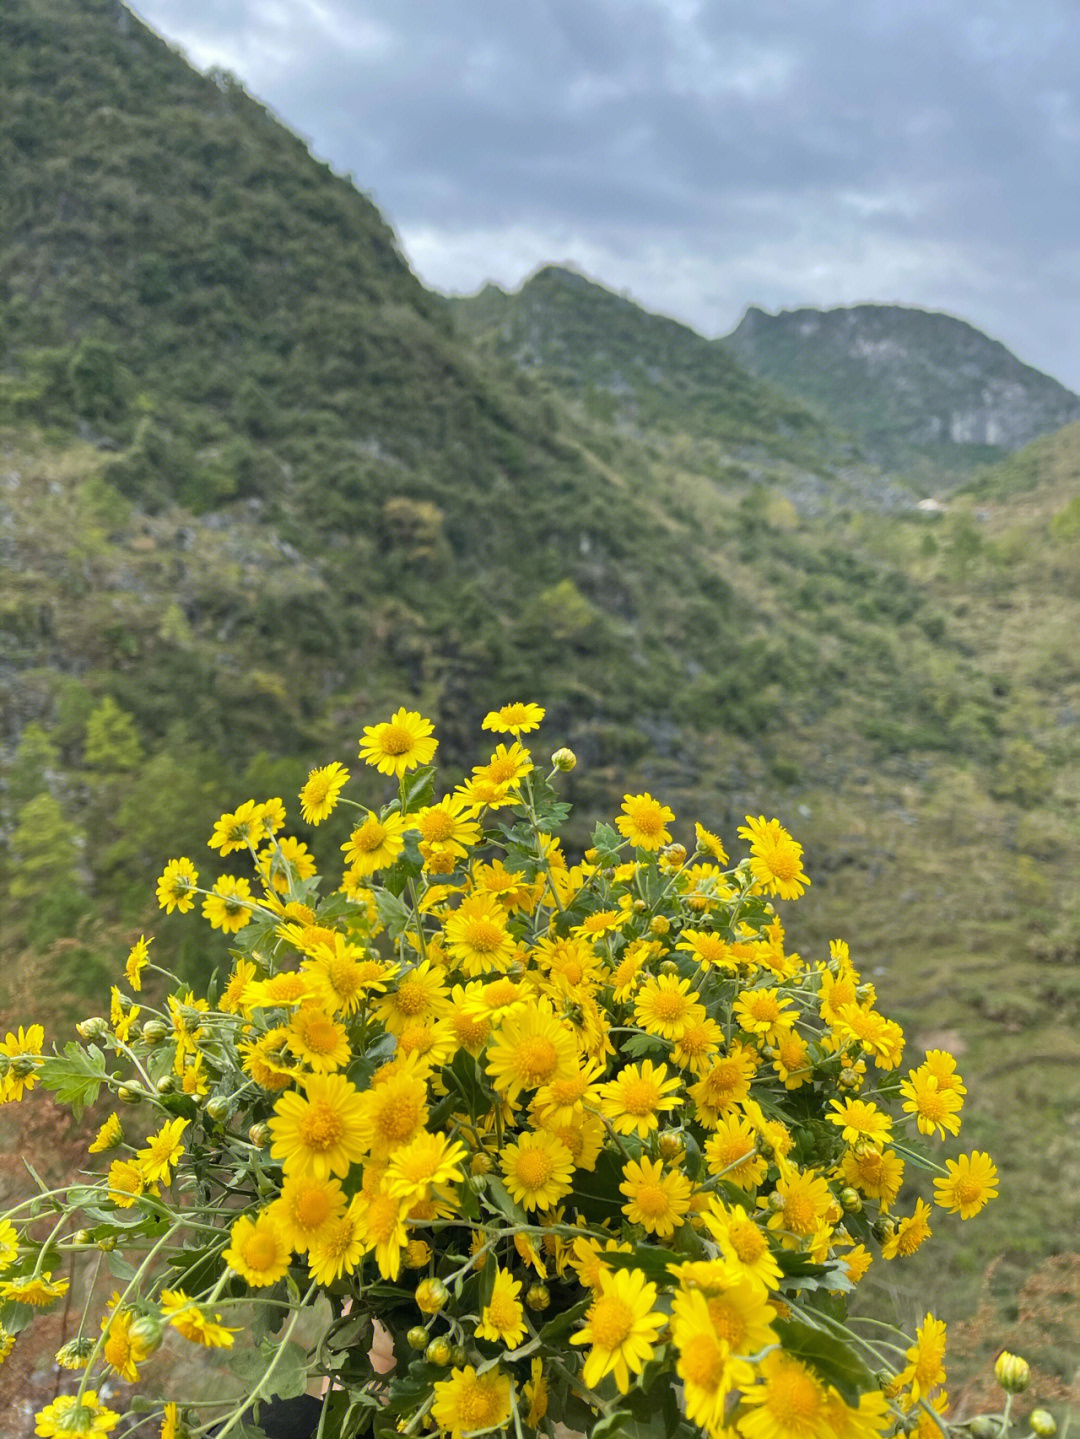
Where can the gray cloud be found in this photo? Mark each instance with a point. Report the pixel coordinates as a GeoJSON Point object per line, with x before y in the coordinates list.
{"type": "Point", "coordinates": [703, 155]}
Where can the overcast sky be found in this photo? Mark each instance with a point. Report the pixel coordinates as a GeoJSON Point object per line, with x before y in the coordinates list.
{"type": "Point", "coordinates": [703, 154]}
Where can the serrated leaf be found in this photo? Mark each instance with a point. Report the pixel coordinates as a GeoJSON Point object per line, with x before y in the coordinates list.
{"type": "Point", "coordinates": [75, 1076]}
{"type": "Point", "coordinates": [640, 1045]}
{"type": "Point", "coordinates": [562, 1323]}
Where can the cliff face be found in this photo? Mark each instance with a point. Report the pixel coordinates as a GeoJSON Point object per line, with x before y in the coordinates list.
{"type": "Point", "coordinates": [903, 378]}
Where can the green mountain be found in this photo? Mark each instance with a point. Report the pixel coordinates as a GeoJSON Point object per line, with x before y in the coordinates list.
{"type": "Point", "coordinates": [908, 384]}
{"type": "Point", "coordinates": [258, 487]}
{"type": "Point", "coordinates": [625, 365]}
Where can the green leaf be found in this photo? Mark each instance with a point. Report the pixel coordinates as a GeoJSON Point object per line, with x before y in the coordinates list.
{"type": "Point", "coordinates": [497, 1193]}
{"type": "Point", "coordinates": [75, 1076]}
{"type": "Point", "coordinates": [596, 1194]}
{"type": "Point", "coordinates": [832, 1360]}
{"type": "Point", "coordinates": [392, 912]}
{"type": "Point", "coordinates": [562, 1323]}
{"type": "Point", "coordinates": [639, 1045]}
{"type": "Point", "coordinates": [420, 788]}
{"type": "Point", "coordinates": [290, 1376]}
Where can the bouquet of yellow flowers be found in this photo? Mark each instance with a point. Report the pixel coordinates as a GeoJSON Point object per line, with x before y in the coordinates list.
{"type": "Point", "coordinates": [572, 1142]}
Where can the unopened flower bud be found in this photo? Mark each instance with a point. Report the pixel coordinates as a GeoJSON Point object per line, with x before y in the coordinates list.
{"type": "Point", "coordinates": [458, 1355]}
{"type": "Point", "coordinates": [75, 1353]}
{"type": "Point", "coordinates": [659, 924]}
{"type": "Point", "coordinates": [130, 1094]}
{"type": "Point", "coordinates": [417, 1253]}
{"type": "Point", "coordinates": [439, 1352]}
{"type": "Point", "coordinates": [538, 1297]}
{"type": "Point", "coordinates": [5, 1065]}
{"type": "Point", "coordinates": [147, 1332]}
{"type": "Point", "coordinates": [24, 1065]}
{"type": "Point", "coordinates": [850, 1200]}
{"type": "Point", "coordinates": [154, 1031]}
{"type": "Point", "coordinates": [82, 1237]}
{"type": "Point", "coordinates": [417, 1337]}
{"type": "Point", "coordinates": [674, 854]}
{"type": "Point", "coordinates": [848, 1079]}
{"type": "Point", "coordinates": [166, 1084]}
{"type": "Point", "coordinates": [639, 906]}
{"type": "Point", "coordinates": [776, 1201]}
{"type": "Point", "coordinates": [564, 759]}
{"type": "Point", "coordinates": [863, 992]}
{"type": "Point", "coordinates": [1012, 1372]}
{"type": "Point", "coordinates": [983, 1427]}
{"type": "Point", "coordinates": [107, 1243]}
{"type": "Point", "coordinates": [259, 1135]}
{"type": "Point", "coordinates": [431, 1295]}
{"type": "Point", "coordinates": [93, 1028]}
{"type": "Point", "coordinates": [1042, 1422]}
{"type": "Point", "coordinates": [670, 1146]}
{"type": "Point", "coordinates": [219, 1107]}
{"type": "Point", "coordinates": [669, 967]}
{"type": "Point", "coordinates": [480, 1164]}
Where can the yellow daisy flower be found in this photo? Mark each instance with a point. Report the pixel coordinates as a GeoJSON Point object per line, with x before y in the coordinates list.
{"type": "Point", "coordinates": [656, 1200]}
{"type": "Point", "coordinates": [75, 1416]}
{"type": "Point", "coordinates": [122, 1350]}
{"type": "Point", "coordinates": [322, 1131]}
{"type": "Point", "coordinates": [666, 1006]}
{"type": "Point", "coordinates": [477, 936]}
{"type": "Point", "coordinates": [530, 1049]}
{"type": "Point", "coordinates": [515, 719]}
{"type": "Point", "coordinates": [621, 1325]}
{"type": "Point", "coordinates": [381, 1220]}
{"type": "Point", "coordinates": [318, 1040]}
{"type": "Point", "coordinates": [162, 1152]}
{"type": "Point", "coordinates": [339, 1246]}
{"type": "Point", "coordinates": [229, 905]}
{"type": "Point", "coordinates": [859, 1120]}
{"type": "Point", "coordinates": [788, 1402]}
{"type": "Point", "coordinates": [258, 1250]}
{"type": "Point", "coordinates": [394, 1111]}
{"type": "Point", "coordinates": [137, 959]}
{"type": "Point", "coordinates": [637, 1096]}
{"type": "Point", "coordinates": [908, 1234]}
{"type": "Point", "coordinates": [37, 1290]}
{"type": "Point", "coordinates": [936, 1110]}
{"type": "Point", "coordinates": [190, 1321]}
{"type": "Point", "coordinates": [321, 791]}
{"type": "Point", "coordinates": [971, 1184]}
{"type": "Point", "coordinates": [731, 1152]}
{"type": "Point", "coordinates": [471, 1403]}
{"type": "Point", "coordinates": [176, 887]}
{"type": "Point", "coordinates": [538, 1170]}
{"type": "Point", "coordinates": [723, 1085]}
{"type": "Point", "coordinates": [420, 995]}
{"type": "Point", "coordinates": [503, 1317]}
{"type": "Point", "coordinates": [876, 1173]}
{"type": "Point", "coordinates": [427, 1162]}
{"type": "Point", "coordinates": [305, 1207]}
{"type": "Point", "coordinates": [644, 821]}
{"type": "Point", "coordinates": [743, 1244]}
{"type": "Point", "coordinates": [400, 744]}
{"type": "Point", "coordinates": [109, 1136]}
{"type": "Point", "coordinates": [706, 1363]}
{"type": "Point", "coordinates": [240, 830]}
{"type": "Point", "coordinates": [925, 1368]}
{"type": "Point", "coordinates": [775, 858]}
{"type": "Point", "coordinates": [375, 844]}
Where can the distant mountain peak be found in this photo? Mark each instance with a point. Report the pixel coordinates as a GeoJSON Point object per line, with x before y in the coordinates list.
{"type": "Point", "coordinates": [901, 378]}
